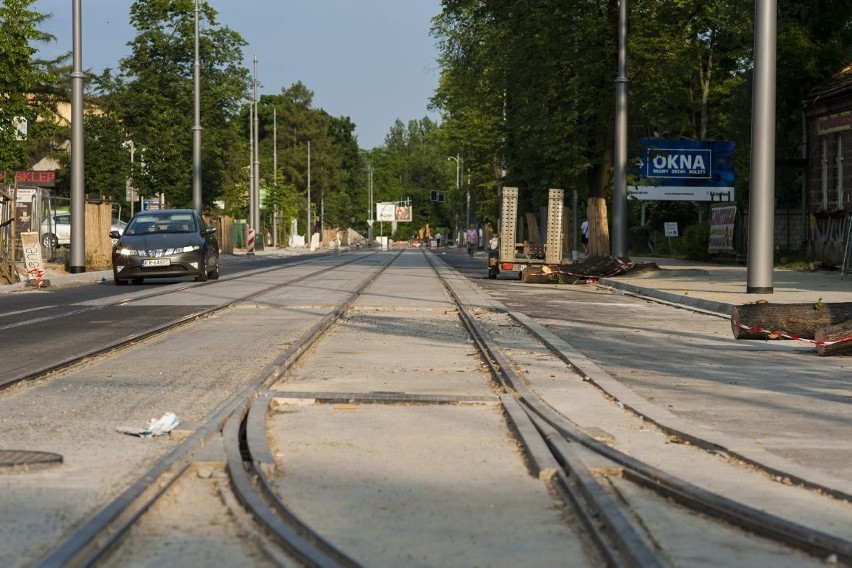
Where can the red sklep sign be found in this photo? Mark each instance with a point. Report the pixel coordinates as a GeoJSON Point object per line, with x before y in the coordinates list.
{"type": "Point", "coordinates": [46, 178]}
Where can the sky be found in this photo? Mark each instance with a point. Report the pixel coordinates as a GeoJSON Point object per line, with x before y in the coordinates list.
{"type": "Point", "coordinates": [370, 60]}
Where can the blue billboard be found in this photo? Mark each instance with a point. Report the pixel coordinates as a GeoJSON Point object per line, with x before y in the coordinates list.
{"type": "Point", "coordinates": [682, 170]}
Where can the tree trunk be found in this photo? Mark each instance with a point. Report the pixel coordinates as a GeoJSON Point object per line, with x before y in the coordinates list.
{"type": "Point", "coordinates": [835, 333]}
{"type": "Point", "coordinates": [598, 227]}
{"type": "Point", "coordinates": [797, 320]}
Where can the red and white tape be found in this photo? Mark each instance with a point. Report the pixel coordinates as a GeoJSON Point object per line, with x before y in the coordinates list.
{"type": "Point", "coordinates": [589, 278]}
{"type": "Point", "coordinates": [39, 274]}
{"type": "Point", "coordinates": [777, 334]}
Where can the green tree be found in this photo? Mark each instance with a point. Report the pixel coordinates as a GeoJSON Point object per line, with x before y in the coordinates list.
{"type": "Point", "coordinates": [531, 83]}
{"type": "Point", "coordinates": [152, 96]}
{"type": "Point", "coordinates": [27, 86]}
{"type": "Point", "coordinates": [107, 163]}
{"type": "Point", "coordinates": [333, 158]}
{"type": "Point", "coordinates": [410, 166]}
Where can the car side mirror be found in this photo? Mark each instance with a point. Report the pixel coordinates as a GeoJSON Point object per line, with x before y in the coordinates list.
{"type": "Point", "coordinates": [114, 234]}
{"type": "Point", "coordinates": [209, 230]}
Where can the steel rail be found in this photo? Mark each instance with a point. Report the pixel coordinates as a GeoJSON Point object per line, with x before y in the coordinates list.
{"type": "Point", "coordinates": [249, 459]}
{"type": "Point", "coordinates": [88, 543]}
{"type": "Point", "coordinates": [549, 340]}
{"type": "Point", "coordinates": [133, 339]}
{"type": "Point", "coordinates": [753, 520]}
{"type": "Point", "coordinates": [616, 538]}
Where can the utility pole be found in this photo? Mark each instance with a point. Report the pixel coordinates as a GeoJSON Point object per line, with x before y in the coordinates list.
{"type": "Point", "coordinates": [196, 128]}
{"type": "Point", "coordinates": [275, 177]}
{"type": "Point", "coordinates": [619, 195]}
{"type": "Point", "coordinates": [78, 191]}
{"type": "Point", "coordinates": [256, 159]}
{"type": "Point", "coordinates": [308, 230]}
{"type": "Point", "coordinates": [251, 170]}
{"type": "Point", "coordinates": [761, 200]}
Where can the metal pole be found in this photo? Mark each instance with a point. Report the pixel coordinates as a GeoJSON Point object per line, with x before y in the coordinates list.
{"type": "Point", "coordinates": [761, 214]}
{"type": "Point", "coordinates": [619, 196]}
{"type": "Point", "coordinates": [256, 159]}
{"type": "Point", "coordinates": [458, 179]}
{"type": "Point", "coordinates": [132, 147]}
{"type": "Point", "coordinates": [575, 251]}
{"type": "Point", "coordinates": [78, 191]}
{"type": "Point", "coordinates": [308, 228]}
{"type": "Point", "coordinates": [467, 215]}
{"type": "Point", "coordinates": [250, 216]}
{"type": "Point", "coordinates": [369, 170]}
{"type": "Point", "coordinates": [196, 128]}
{"type": "Point", "coordinates": [275, 177]}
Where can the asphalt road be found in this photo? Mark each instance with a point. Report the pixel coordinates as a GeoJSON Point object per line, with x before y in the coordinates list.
{"type": "Point", "coordinates": [40, 328]}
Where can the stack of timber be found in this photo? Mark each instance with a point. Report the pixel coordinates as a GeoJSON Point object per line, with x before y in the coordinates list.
{"type": "Point", "coordinates": [818, 321]}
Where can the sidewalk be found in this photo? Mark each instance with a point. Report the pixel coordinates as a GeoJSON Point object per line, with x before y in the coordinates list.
{"type": "Point", "coordinates": [62, 278]}
{"type": "Point", "coordinates": [719, 287]}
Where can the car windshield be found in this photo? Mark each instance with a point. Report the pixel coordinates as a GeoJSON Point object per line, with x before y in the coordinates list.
{"type": "Point", "coordinates": [174, 223]}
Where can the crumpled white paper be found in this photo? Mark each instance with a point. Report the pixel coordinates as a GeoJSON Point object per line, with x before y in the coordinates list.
{"type": "Point", "coordinates": [156, 426]}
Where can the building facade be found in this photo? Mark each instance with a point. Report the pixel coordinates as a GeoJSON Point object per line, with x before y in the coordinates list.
{"type": "Point", "coordinates": [828, 120]}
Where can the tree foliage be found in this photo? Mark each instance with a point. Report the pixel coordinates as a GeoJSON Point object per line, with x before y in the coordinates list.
{"type": "Point", "coordinates": [151, 97]}
{"type": "Point", "coordinates": [27, 86]}
{"type": "Point", "coordinates": [287, 123]}
{"type": "Point", "coordinates": [529, 85]}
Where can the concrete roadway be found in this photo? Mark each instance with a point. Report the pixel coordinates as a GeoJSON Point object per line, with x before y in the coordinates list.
{"type": "Point", "coordinates": [776, 402]}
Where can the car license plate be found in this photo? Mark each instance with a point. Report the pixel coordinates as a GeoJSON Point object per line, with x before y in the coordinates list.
{"type": "Point", "coordinates": [155, 262]}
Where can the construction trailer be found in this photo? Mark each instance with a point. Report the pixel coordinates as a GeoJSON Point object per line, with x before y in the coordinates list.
{"type": "Point", "coordinates": [525, 256]}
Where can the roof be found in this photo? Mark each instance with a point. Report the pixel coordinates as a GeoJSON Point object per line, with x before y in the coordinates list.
{"type": "Point", "coordinates": [838, 85]}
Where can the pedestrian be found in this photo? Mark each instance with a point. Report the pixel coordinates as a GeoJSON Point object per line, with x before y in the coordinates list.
{"type": "Point", "coordinates": [438, 240]}
{"type": "Point", "coordinates": [471, 238]}
{"type": "Point", "coordinates": [584, 230]}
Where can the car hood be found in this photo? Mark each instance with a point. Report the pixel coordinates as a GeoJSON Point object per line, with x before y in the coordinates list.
{"type": "Point", "coordinates": [158, 242]}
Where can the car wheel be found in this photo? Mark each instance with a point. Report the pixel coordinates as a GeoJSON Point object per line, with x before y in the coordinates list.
{"type": "Point", "coordinates": [214, 274]}
{"type": "Point", "coordinates": [119, 281]}
{"type": "Point", "coordinates": [202, 276]}
{"type": "Point", "coordinates": [49, 241]}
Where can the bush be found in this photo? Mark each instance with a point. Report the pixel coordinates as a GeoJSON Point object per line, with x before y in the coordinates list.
{"type": "Point", "coordinates": [638, 240]}
{"type": "Point", "coordinates": [693, 244]}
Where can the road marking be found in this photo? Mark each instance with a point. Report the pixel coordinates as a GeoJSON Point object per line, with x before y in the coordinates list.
{"type": "Point", "coordinates": [26, 311]}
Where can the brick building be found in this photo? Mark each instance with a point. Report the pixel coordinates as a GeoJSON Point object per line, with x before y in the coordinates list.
{"type": "Point", "coordinates": [828, 119]}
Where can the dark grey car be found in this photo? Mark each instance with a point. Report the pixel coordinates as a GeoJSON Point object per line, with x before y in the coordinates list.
{"type": "Point", "coordinates": [165, 243]}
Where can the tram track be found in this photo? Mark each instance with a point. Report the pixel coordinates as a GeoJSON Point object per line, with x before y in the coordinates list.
{"type": "Point", "coordinates": [94, 538]}
{"type": "Point", "coordinates": [40, 370]}
{"type": "Point", "coordinates": [554, 445]}
{"type": "Point", "coordinates": [561, 432]}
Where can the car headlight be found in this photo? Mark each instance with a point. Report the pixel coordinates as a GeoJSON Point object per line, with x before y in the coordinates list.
{"type": "Point", "coordinates": [189, 248]}
{"type": "Point", "coordinates": [126, 252]}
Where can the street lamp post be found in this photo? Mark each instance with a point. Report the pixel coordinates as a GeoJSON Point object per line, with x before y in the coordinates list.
{"type": "Point", "coordinates": [78, 191]}
{"type": "Point", "coordinates": [196, 128]}
{"type": "Point", "coordinates": [370, 221]}
{"type": "Point", "coordinates": [459, 173]}
{"type": "Point", "coordinates": [619, 197]}
{"type": "Point", "coordinates": [309, 228]}
{"type": "Point", "coordinates": [255, 212]}
{"type": "Point", "coordinates": [131, 192]}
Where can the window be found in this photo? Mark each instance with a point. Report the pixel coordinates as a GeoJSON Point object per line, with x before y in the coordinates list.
{"type": "Point", "coordinates": [839, 164]}
{"type": "Point", "coordinates": [824, 173]}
